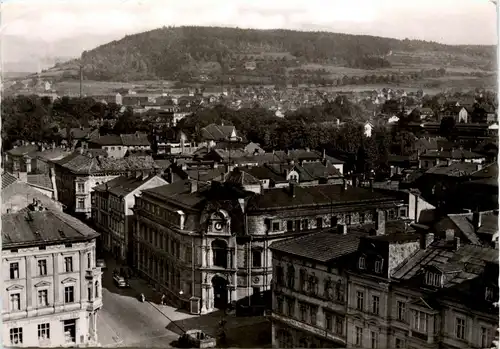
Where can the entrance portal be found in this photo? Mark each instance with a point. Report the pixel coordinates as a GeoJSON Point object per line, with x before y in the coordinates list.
{"type": "Point", "coordinates": [220, 292]}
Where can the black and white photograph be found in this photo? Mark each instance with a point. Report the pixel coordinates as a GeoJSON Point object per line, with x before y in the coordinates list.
{"type": "Point", "coordinates": [249, 174]}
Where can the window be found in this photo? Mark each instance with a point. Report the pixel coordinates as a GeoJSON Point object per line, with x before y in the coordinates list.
{"type": "Point", "coordinates": [68, 264]}
{"type": "Point", "coordinates": [81, 187]}
{"type": "Point", "coordinates": [89, 294]}
{"type": "Point", "coordinates": [305, 224]}
{"type": "Point", "coordinates": [302, 279]}
{"type": "Point", "coordinates": [89, 260]}
{"type": "Point", "coordinates": [81, 203]}
{"type": "Point", "coordinates": [44, 331]}
{"type": "Point", "coordinates": [378, 266]}
{"type": "Point", "coordinates": [319, 222]}
{"type": "Point", "coordinates": [291, 277]}
{"type": "Point", "coordinates": [297, 225]}
{"type": "Point", "coordinates": [375, 304]}
{"type": "Point", "coordinates": [433, 279]}
{"type": "Point", "coordinates": [256, 259]}
{"type": "Point", "coordinates": [16, 335]}
{"type": "Point", "coordinates": [276, 226]}
{"type": "Point", "coordinates": [486, 337]}
{"type": "Point", "coordinates": [14, 270]}
{"type": "Point", "coordinates": [219, 249]}
{"type": "Point", "coordinates": [15, 301]}
{"type": "Point", "coordinates": [360, 300]}
{"type": "Point", "coordinates": [359, 337]}
{"type": "Point", "coordinates": [328, 321]}
{"type": "Point", "coordinates": [279, 275]}
{"type": "Point", "coordinates": [489, 294]}
{"type": "Point", "coordinates": [460, 328]}
{"type": "Point", "coordinates": [289, 225]}
{"type": "Point", "coordinates": [279, 303]}
{"type": "Point", "coordinates": [69, 294]}
{"type": "Point", "coordinates": [43, 298]}
{"type": "Point", "coordinates": [400, 343]}
{"type": "Point", "coordinates": [42, 267]}
{"type": "Point", "coordinates": [419, 321]}
{"type": "Point", "coordinates": [401, 311]}
{"type": "Point", "coordinates": [112, 148]}
{"type": "Point", "coordinates": [312, 313]}
{"type": "Point", "coordinates": [374, 339]}
{"type": "Point", "coordinates": [402, 212]}
{"type": "Point", "coordinates": [333, 221]}
{"type": "Point", "coordinates": [303, 312]}
{"type": "Point", "coordinates": [290, 307]}
{"type": "Point", "coordinates": [339, 325]}
{"type": "Point", "coordinates": [362, 263]}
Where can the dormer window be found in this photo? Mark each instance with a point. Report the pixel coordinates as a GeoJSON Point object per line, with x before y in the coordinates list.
{"type": "Point", "coordinates": [379, 265]}
{"type": "Point", "coordinates": [362, 263]}
{"type": "Point", "coordinates": [433, 279]}
{"type": "Point", "coordinates": [489, 294]}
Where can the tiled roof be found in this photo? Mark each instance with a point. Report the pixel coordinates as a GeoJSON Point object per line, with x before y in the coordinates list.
{"type": "Point", "coordinates": [79, 163]}
{"type": "Point", "coordinates": [40, 180]}
{"type": "Point", "coordinates": [23, 150]}
{"type": "Point", "coordinates": [180, 192]}
{"type": "Point", "coordinates": [489, 224]}
{"type": "Point", "coordinates": [163, 163]}
{"type": "Point", "coordinates": [322, 246]}
{"type": "Point", "coordinates": [489, 171]}
{"type": "Point", "coordinates": [277, 198]}
{"type": "Point", "coordinates": [137, 139]}
{"type": "Point", "coordinates": [265, 172]}
{"type": "Point", "coordinates": [206, 175]}
{"type": "Point", "coordinates": [239, 177]}
{"type": "Point", "coordinates": [316, 170]}
{"type": "Point", "coordinates": [7, 179]}
{"type": "Point", "coordinates": [51, 154]}
{"type": "Point", "coordinates": [453, 154]}
{"type": "Point", "coordinates": [41, 227]}
{"type": "Point", "coordinates": [453, 170]}
{"type": "Point", "coordinates": [107, 140]}
{"type": "Point", "coordinates": [123, 185]}
{"type": "Point", "coordinates": [217, 132]}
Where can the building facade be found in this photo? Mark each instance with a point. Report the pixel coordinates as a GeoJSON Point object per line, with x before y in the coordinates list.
{"type": "Point", "coordinates": [212, 241]}
{"type": "Point", "coordinates": [52, 287]}
{"type": "Point", "coordinates": [112, 204]}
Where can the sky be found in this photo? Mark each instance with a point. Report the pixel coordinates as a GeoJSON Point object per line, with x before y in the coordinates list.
{"type": "Point", "coordinates": [445, 21]}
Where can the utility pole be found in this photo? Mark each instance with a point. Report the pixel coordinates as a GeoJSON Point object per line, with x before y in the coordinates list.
{"type": "Point", "coordinates": [81, 80]}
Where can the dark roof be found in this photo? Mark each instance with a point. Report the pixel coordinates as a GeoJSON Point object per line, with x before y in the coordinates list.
{"type": "Point", "coordinates": [239, 177]}
{"type": "Point", "coordinates": [217, 132]}
{"type": "Point", "coordinates": [123, 185]}
{"type": "Point", "coordinates": [265, 172]}
{"type": "Point", "coordinates": [453, 170]}
{"type": "Point", "coordinates": [489, 171]}
{"type": "Point", "coordinates": [453, 154]}
{"type": "Point", "coordinates": [42, 227]}
{"type": "Point", "coordinates": [23, 150]}
{"type": "Point", "coordinates": [40, 180]}
{"type": "Point", "coordinates": [51, 154]}
{"type": "Point", "coordinates": [7, 179]}
{"type": "Point", "coordinates": [277, 198]}
{"type": "Point", "coordinates": [180, 192]}
{"type": "Point", "coordinates": [78, 133]}
{"type": "Point", "coordinates": [311, 171]}
{"type": "Point", "coordinates": [206, 175]}
{"type": "Point", "coordinates": [106, 140]}
{"type": "Point", "coordinates": [322, 246]}
{"type": "Point", "coordinates": [136, 139]}
{"type": "Point", "coordinates": [79, 163]}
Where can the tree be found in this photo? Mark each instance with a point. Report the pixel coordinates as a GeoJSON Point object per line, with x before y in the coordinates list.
{"type": "Point", "coordinates": [447, 127]}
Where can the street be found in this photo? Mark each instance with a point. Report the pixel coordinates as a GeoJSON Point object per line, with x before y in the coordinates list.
{"type": "Point", "coordinates": [124, 321]}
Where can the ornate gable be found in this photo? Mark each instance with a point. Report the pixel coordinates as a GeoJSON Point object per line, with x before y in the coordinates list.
{"type": "Point", "coordinates": [15, 287]}
{"type": "Point", "coordinates": [68, 280]}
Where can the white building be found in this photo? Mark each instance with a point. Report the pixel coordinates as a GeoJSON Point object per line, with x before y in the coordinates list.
{"type": "Point", "coordinates": [52, 287]}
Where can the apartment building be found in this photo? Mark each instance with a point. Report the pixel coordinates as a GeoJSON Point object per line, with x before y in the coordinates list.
{"type": "Point", "coordinates": [211, 241]}
{"type": "Point", "coordinates": [112, 204]}
{"type": "Point", "coordinates": [400, 289]}
{"type": "Point", "coordinates": [117, 146]}
{"type": "Point", "coordinates": [52, 287]}
{"type": "Point", "coordinates": [78, 174]}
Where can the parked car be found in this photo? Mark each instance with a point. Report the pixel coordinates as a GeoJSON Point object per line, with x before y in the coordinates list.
{"type": "Point", "coordinates": [101, 263]}
{"type": "Point", "coordinates": [120, 281]}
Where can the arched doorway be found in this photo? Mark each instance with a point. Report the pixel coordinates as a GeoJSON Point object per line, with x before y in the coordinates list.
{"type": "Point", "coordinates": [219, 285]}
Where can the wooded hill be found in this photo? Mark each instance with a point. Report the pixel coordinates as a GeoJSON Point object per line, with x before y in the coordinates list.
{"type": "Point", "coordinates": [172, 52]}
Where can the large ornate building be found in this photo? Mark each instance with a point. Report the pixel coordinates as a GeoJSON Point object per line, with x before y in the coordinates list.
{"type": "Point", "coordinates": [375, 289]}
{"type": "Point", "coordinates": [51, 286]}
{"type": "Point", "coordinates": [207, 244]}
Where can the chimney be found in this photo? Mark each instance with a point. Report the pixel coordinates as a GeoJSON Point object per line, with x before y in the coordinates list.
{"type": "Point", "coordinates": [307, 149]}
{"type": "Point", "coordinates": [380, 222]}
{"type": "Point", "coordinates": [324, 154]}
{"type": "Point", "coordinates": [342, 229]}
{"type": "Point", "coordinates": [479, 167]}
{"type": "Point", "coordinates": [52, 175]}
{"type": "Point", "coordinates": [145, 174]}
{"type": "Point", "coordinates": [292, 189]}
{"type": "Point", "coordinates": [193, 186]}
{"type": "Point", "coordinates": [53, 145]}
{"type": "Point", "coordinates": [457, 243]}
{"type": "Point", "coordinates": [138, 174]}
{"type": "Point", "coordinates": [215, 165]}
{"type": "Point", "coordinates": [81, 150]}
{"type": "Point", "coordinates": [476, 220]}
{"type": "Point", "coordinates": [425, 240]}
{"type": "Point", "coordinates": [450, 234]}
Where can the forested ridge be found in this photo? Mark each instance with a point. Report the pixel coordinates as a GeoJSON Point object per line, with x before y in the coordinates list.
{"type": "Point", "coordinates": [169, 52]}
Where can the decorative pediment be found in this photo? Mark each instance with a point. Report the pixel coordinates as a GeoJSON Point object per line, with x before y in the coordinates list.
{"type": "Point", "coordinates": [42, 284]}
{"type": "Point", "coordinates": [15, 287]}
{"type": "Point", "coordinates": [420, 302]}
{"type": "Point", "coordinates": [68, 280]}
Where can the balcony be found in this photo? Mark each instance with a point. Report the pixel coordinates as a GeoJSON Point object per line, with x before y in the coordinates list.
{"type": "Point", "coordinates": [93, 273]}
